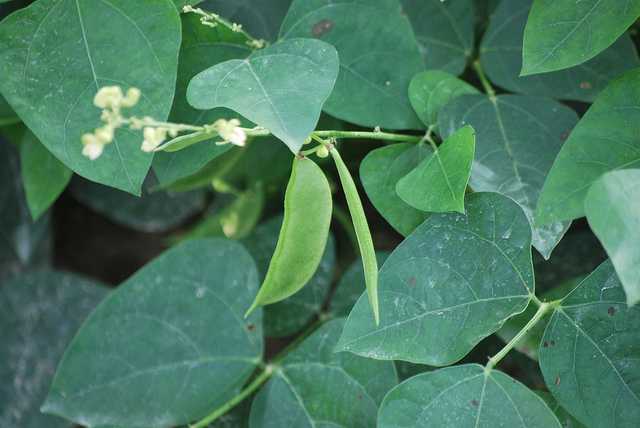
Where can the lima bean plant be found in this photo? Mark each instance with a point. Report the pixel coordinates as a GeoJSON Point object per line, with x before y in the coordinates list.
{"type": "Point", "coordinates": [482, 130]}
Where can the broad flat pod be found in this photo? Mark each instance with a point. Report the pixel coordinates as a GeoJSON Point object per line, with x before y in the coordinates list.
{"type": "Point", "coordinates": [303, 235]}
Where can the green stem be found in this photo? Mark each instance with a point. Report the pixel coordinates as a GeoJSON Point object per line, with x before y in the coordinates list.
{"type": "Point", "coordinates": [374, 135]}
{"type": "Point", "coordinates": [543, 309]}
{"type": "Point", "coordinates": [483, 79]}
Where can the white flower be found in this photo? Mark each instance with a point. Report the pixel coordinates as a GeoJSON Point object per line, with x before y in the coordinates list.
{"type": "Point", "coordinates": [93, 147]}
{"type": "Point", "coordinates": [153, 137]}
{"type": "Point", "coordinates": [231, 132]}
{"type": "Point", "coordinates": [132, 98]}
{"type": "Point", "coordinates": [108, 97]}
{"type": "Point", "coordinates": [105, 134]}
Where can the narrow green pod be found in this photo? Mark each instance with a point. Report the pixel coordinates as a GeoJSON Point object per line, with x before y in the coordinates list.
{"type": "Point", "coordinates": [303, 235]}
{"type": "Point", "coordinates": [365, 242]}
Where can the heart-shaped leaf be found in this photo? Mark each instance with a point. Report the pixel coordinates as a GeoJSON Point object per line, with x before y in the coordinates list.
{"type": "Point", "coordinates": [282, 87]}
{"type": "Point", "coordinates": [315, 386]}
{"type": "Point", "coordinates": [451, 283]}
{"type": "Point", "coordinates": [590, 354]}
{"type": "Point", "coordinates": [501, 57]}
{"type": "Point", "coordinates": [372, 86]}
{"type": "Point", "coordinates": [613, 210]}
{"type": "Point", "coordinates": [517, 139]}
{"type": "Point", "coordinates": [606, 138]}
{"type": "Point", "coordinates": [55, 55]}
{"type": "Point", "coordinates": [439, 183]}
{"type": "Point", "coordinates": [561, 34]}
{"type": "Point", "coordinates": [464, 397]}
{"type": "Point", "coordinates": [169, 344]}
{"type": "Point", "coordinates": [380, 171]}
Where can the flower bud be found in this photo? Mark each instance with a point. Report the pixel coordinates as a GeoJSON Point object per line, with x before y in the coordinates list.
{"type": "Point", "coordinates": [105, 134]}
{"type": "Point", "coordinates": [132, 98]}
{"type": "Point", "coordinates": [108, 97]}
{"type": "Point", "coordinates": [93, 148]}
{"type": "Point", "coordinates": [322, 151]}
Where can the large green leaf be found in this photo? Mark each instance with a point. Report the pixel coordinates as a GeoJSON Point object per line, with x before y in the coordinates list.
{"type": "Point", "coordinates": [40, 313]}
{"type": "Point", "coordinates": [501, 57]}
{"type": "Point", "coordinates": [561, 34]}
{"type": "Point", "coordinates": [316, 387]}
{"type": "Point", "coordinates": [464, 396]}
{"type": "Point", "coordinates": [439, 183]}
{"type": "Point", "coordinates": [613, 210]}
{"type": "Point", "coordinates": [606, 138]}
{"type": "Point", "coordinates": [55, 55]}
{"type": "Point", "coordinates": [168, 345]}
{"type": "Point", "coordinates": [290, 315]}
{"type": "Point", "coordinates": [380, 171]}
{"type": "Point", "coordinates": [592, 358]}
{"type": "Point", "coordinates": [378, 57]}
{"type": "Point", "coordinates": [282, 87]}
{"type": "Point", "coordinates": [451, 283]}
{"type": "Point", "coordinates": [517, 139]}
{"type": "Point", "coordinates": [202, 47]}
{"type": "Point", "coordinates": [44, 176]}
{"type": "Point", "coordinates": [431, 90]}
{"type": "Point", "coordinates": [444, 31]}
{"type": "Point", "coordinates": [260, 18]}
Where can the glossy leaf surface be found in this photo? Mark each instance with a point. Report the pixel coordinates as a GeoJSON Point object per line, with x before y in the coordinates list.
{"type": "Point", "coordinates": [318, 387]}
{"type": "Point", "coordinates": [439, 183]}
{"type": "Point", "coordinates": [517, 139]}
{"type": "Point", "coordinates": [606, 138]}
{"type": "Point", "coordinates": [561, 34]}
{"type": "Point", "coordinates": [176, 326]}
{"type": "Point", "coordinates": [380, 172]}
{"type": "Point", "coordinates": [461, 397]}
{"type": "Point", "coordinates": [282, 87]}
{"type": "Point", "coordinates": [592, 359]}
{"type": "Point", "coordinates": [371, 89]}
{"type": "Point", "coordinates": [451, 283]}
{"type": "Point", "coordinates": [66, 53]}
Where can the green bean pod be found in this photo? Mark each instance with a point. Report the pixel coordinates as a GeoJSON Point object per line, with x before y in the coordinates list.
{"type": "Point", "coordinates": [303, 235]}
{"type": "Point", "coordinates": [365, 242]}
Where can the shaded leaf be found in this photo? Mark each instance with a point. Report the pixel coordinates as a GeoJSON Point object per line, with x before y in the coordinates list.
{"type": "Point", "coordinates": [563, 34]}
{"type": "Point", "coordinates": [464, 396]}
{"type": "Point", "coordinates": [315, 386]}
{"type": "Point", "coordinates": [613, 210]}
{"type": "Point", "coordinates": [173, 330]}
{"type": "Point", "coordinates": [451, 283]}
{"type": "Point", "coordinates": [565, 418]}
{"type": "Point", "coordinates": [260, 18]}
{"type": "Point", "coordinates": [66, 53]}
{"type": "Point", "coordinates": [606, 138]}
{"type": "Point", "coordinates": [282, 87]}
{"type": "Point", "coordinates": [41, 312]}
{"type": "Point", "coordinates": [592, 360]}
{"type": "Point", "coordinates": [381, 170]}
{"type": "Point", "coordinates": [439, 183]}
{"type": "Point", "coordinates": [517, 139]}
{"type": "Point", "coordinates": [371, 89]}
{"type": "Point", "coordinates": [7, 115]}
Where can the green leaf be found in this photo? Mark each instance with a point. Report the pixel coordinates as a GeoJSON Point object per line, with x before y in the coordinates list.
{"type": "Point", "coordinates": [317, 387]}
{"type": "Point", "coordinates": [290, 315]}
{"type": "Point", "coordinates": [451, 283]}
{"type": "Point", "coordinates": [281, 88]}
{"type": "Point", "coordinates": [303, 235]}
{"type": "Point", "coordinates": [351, 286]}
{"type": "Point", "coordinates": [65, 53]}
{"type": "Point", "coordinates": [563, 34]}
{"type": "Point", "coordinates": [606, 138]}
{"type": "Point", "coordinates": [438, 184]}
{"type": "Point", "coordinates": [381, 170]}
{"type": "Point", "coordinates": [517, 138]}
{"type": "Point", "coordinates": [565, 418]}
{"type": "Point", "coordinates": [464, 396]}
{"type": "Point", "coordinates": [501, 58]}
{"type": "Point", "coordinates": [592, 359]}
{"type": "Point", "coordinates": [430, 91]}
{"type": "Point", "coordinates": [202, 46]}
{"type": "Point", "coordinates": [378, 57]}
{"type": "Point", "coordinates": [41, 311]}
{"type": "Point", "coordinates": [7, 115]}
{"type": "Point", "coordinates": [168, 345]}
{"type": "Point", "coordinates": [44, 176]}
{"type": "Point", "coordinates": [155, 211]}
{"type": "Point", "coordinates": [444, 31]}
{"type": "Point", "coordinates": [613, 211]}
{"type": "Point", "coordinates": [261, 19]}
{"type": "Point", "coordinates": [363, 234]}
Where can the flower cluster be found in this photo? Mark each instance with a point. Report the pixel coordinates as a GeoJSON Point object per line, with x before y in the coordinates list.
{"type": "Point", "coordinates": [230, 131]}
{"type": "Point", "coordinates": [213, 20]}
